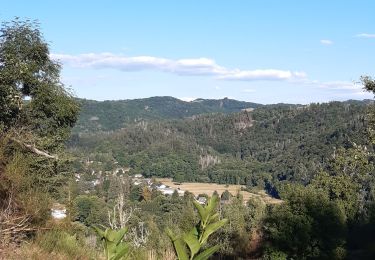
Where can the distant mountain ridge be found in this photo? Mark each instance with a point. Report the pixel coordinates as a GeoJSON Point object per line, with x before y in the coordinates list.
{"type": "Point", "coordinates": [112, 115]}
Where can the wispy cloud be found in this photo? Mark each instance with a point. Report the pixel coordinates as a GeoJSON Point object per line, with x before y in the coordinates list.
{"type": "Point", "coordinates": [326, 42]}
{"type": "Point", "coordinates": [189, 67]}
{"type": "Point", "coordinates": [249, 90]}
{"type": "Point", "coordinates": [365, 35]}
{"type": "Point", "coordinates": [343, 87]}
{"type": "Point", "coordinates": [335, 89]}
{"type": "Point", "coordinates": [262, 74]}
{"type": "Point", "coordinates": [340, 85]}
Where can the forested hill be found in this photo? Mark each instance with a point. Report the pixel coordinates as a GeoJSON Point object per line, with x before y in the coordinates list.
{"type": "Point", "coordinates": [112, 115]}
{"type": "Point", "coordinates": [269, 144]}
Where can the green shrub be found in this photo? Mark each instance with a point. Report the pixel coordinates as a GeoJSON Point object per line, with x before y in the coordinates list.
{"type": "Point", "coordinates": [62, 242]}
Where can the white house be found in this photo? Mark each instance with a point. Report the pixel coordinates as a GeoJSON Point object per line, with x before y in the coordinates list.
{"type": "Point", "coordinates": [167, 191]}
{"type": "Point", "coordinates": [58, 211]}
{"type": "Point", "coordinates": [201, 200]}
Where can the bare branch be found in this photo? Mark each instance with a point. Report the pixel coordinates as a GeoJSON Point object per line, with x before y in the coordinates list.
{"type": "Point", "coordinates": [139, 235]}
{"type": "Point", "coordinates": [120, 216]}
{"type": "Point", "coordinates": [35, 150]}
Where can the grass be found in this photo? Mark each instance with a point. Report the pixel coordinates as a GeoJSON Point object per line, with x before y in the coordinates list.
{"type": "Point", "coordinates": [56, 243]}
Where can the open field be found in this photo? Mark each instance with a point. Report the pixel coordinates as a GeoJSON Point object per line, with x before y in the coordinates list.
{"type": "Point", "coordinates": [208, 188]}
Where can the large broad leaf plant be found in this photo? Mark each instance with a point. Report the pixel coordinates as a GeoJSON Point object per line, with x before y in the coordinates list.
{"type": "Point", "coordinates": [191, 245]}
{"type": "Point", "coordinates": [114, 246]}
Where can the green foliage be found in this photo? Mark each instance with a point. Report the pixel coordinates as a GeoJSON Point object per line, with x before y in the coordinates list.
{"type": "Point", "coordinates": [257, 149]}
{"type": "Point", "coordinates": [36, 115]}
{"type": "Point", "coordinates": [307, 225]}
{"type": "Point", "coordinates": [226, 195]}
{"type": "Point", "coordinates": [243, 222]}
{"type": "Point", "coordinates": [114, 247]}
{"type": "Point", "coordinates": [317, 158]}
{"type": "Point", "coordinates": [271, 254]}
{"type": "Point", "coordinates": [197, 238]}
{"type": "Point", "coordinates": [113, 115]}
{"type": "Point", "coordinates": [90, 209]}
{"type": "Point", "coordinates": [340, 189]}
{"type": "Point", "coordinates": [321, 146]}
{"type": "Point", "coordinates": [26, 70]}
{"type": "Point", "coordinates": [57, 241]}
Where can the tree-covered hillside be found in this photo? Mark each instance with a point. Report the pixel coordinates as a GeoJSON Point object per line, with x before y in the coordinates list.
{"type": "Point", "coordinates": [112, 115]}
{"type": "Point", "coordinates": [257, 148]}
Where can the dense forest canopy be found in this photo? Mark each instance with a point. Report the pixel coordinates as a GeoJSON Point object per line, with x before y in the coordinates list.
{"type": "Point", "coordinates": [271, 143]}
{"type": "Point", "coordinates": [318, 158]}
{"type": "Point", "coordinates": [113, 115]}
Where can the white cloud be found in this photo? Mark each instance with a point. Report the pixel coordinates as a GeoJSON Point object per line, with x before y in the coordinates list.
{"type": "Point", "coordinates": [264, 74]}
{"type": "Point", "coordinates": [191, 67]}
{"type": "Point", "coordinates": [326, 42]}
{"type": "Point", "coordinates": [363, 93]}
{"type": "Point", "coordinates": [365, 35]}
{"type": "Point", "coordinates": [343, 88]}
{"type": "Point", "coordinates": [340, 85]}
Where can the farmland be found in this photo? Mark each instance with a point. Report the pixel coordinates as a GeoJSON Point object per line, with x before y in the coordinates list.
{"type": "Point", "coordinates": [208, 188]}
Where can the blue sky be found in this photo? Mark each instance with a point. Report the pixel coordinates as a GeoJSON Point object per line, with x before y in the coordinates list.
{"type": "Point", "coordinates": [259, 51]}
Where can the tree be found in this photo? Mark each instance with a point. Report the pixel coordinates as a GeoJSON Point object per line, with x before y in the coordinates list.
{"type": "Point", "coordinates": [26, 71]}
{"type": "Point", "coordinates": [306, 225]}
{"type": "Point", "coordinates": [36, 115]}
{"type": "Point", "coordinates": [90, 210]}
{"type": "Point", "coordinates": [226, 195]}
{"type": "Point", "coordinates": [234, 238]}
{"type": "Point", "coordinates": [341, 189]}
{"type": "Point", "coordinates": [368, 83]}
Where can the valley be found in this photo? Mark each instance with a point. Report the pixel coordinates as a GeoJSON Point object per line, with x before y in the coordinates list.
{"type": "Point", "coordinates": [198, 188]}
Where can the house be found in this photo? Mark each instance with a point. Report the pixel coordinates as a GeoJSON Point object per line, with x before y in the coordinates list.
{"type": "Point", "coordinates": [148, 181]}
{"type": "Point", "coordinates": [201, 200]}
{"type": "Point", "coordinates": [95, 182]}
{"type": "Point", "coordinates": [167, 191]}
{"type": "Point", "coordinates": [58, 211]}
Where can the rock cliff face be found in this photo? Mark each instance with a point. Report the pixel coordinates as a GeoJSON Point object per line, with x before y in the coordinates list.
{"type": "Point", "coordinates": [243, 121]}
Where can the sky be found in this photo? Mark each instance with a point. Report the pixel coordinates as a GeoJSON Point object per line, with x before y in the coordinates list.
{"type": "Point", "coordinates": [258, 51]}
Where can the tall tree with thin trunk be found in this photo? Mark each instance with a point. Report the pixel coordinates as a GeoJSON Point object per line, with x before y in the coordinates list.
{"type": "Point", "coordinates": [36, 115]}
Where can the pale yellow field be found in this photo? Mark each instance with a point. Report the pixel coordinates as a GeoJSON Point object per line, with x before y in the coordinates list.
{"type": "Point", "coordinates": [208, 188]}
